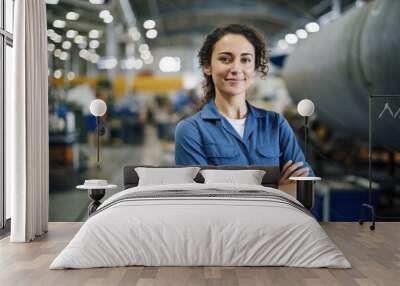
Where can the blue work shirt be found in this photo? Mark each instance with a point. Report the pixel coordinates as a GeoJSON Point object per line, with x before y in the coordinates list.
{"type": "Point", "coordinates": [207, 138]}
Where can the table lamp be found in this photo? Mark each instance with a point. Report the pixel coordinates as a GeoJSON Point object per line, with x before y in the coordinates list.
{"type": "Point", "coordinates": [97, 188]}
{"type": "Point", "coordinates": [305, 185]}
{"type": "Point", "coordinates": [98, 108]}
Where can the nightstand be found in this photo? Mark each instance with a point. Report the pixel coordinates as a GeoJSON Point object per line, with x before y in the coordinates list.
{"type": "Point", "coordinates": [305, 190]}
{"type": "Point", "coordinates": [96, 191]}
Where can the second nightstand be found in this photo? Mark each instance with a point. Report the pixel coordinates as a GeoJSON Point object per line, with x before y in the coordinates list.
{"type": "Point", "coordinates": [305, 190]}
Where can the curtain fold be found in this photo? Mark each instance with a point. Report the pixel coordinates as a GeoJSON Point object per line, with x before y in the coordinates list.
{"type": "Point", "coordinates": [28, 123]}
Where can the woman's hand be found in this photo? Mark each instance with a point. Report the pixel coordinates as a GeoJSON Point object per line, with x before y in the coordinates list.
{"type": "Point", "coordinates": [291, 169]}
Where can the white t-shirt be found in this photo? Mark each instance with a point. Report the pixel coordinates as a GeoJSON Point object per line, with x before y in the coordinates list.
{"type": "Point", "coordinates": [238, 125]}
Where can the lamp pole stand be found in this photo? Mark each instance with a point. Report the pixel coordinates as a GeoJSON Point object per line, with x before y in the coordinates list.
{"type": "Point", "coordinates": [305, 136]}
{"type": "Point", "coordinates": [369, 204]}
{"type": "Point", "coordinates": [98, 138]}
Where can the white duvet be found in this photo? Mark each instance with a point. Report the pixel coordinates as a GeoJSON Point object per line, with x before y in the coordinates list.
{"type": "Point", "coordinates": [185, 231]}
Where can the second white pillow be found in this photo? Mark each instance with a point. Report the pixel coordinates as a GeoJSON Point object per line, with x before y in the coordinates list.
{"type": "Point", "coordinates": [248, 177]}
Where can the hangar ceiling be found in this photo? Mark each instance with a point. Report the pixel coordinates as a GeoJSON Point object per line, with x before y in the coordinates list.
{"type": "Point", "coordinates": [182, 22]}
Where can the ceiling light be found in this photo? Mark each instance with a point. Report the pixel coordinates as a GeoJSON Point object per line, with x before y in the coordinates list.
{"type": "Point", "coordinates": [312, 27]}
{"type": "Point", "coordinates": [73, 16]}
{"type": "Point", "coordinates": [71, 75]}
{"type": "Point", "coordinates": [58, 73]}
{"type": "Point", "coordinates": [134, 33]}
{"type": "Point", "coordinates": [94, 58]}
{"type": "Point", "coordinates": [107, 63]}
{"type": "Point", "coordinates": [143, 47]}
{"type": "Point", "coordinates": [108, 19]}
{"type": "Point", "coordinates": [145, 55]}
{"type": "Point", "coordinates": [291, 39]}
{"type": "Point", "coordinates": [94, 34]}
{"type": "Point", "coordinates": [56, 38]}
{"type": "Point", "coordinates": [84, 54]}
{"type": "Point", "coordinates": [64, 56]}
{"type": "Point", "coordinates": [71, 34]}
{"type": "Point", "coordinates": [59, 24]}
{"type": "Point", "coordinates": [51, 47]}
{"type": "Point", "coordinates": [97, 2]}
{"type": "Point", "coordinates": [128, 63]}
{"type": "Point", "coordinates": [82, 45]}
{"type": "Point", "coordinates": [131, 63]}
{"type": "Point", "coordinates": [94, 44]}
{"type": "Point", "coordinates": [151, 34]}
{"type": "Point", "coordinates": [302, 34]}
{"type": "Point", "coordinates": [136, 36]}
{"type": "Point", "coordinates": [79, 39]}
{"type": "Point", "coordinates": [149, 24]}
{"type": "Point", "coordinates": [50, 32]}
{"type": "Point", "coordinates": [57, 53]}
{"type": "Point", "coordinates": [170, 64]}
{"type": "Point", "coordinates": [104, 13]}
{"type": "Point", "coordinates": [149, 60]}
{"type": "Point", "coordinates": [66, 45]}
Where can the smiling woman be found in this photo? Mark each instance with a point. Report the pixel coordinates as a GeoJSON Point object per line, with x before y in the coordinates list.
{"type": "Point", "coordinates": [227, 130]}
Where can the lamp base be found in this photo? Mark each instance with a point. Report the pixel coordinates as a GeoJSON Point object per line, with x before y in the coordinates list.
{"type": "Point", "coordinates": [372, 209]}
{"type": "Point", "coordinates": [95, 195]}
{"type": "Point", "coordinates": [305, 190]}
{"type": "Point", "coordinates": [305, 193]}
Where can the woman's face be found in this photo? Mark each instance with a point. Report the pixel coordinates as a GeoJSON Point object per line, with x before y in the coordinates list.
{"type": "Point", "coordinates": [232, 65]}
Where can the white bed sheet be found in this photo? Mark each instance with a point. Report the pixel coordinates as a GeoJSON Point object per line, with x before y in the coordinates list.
{"type": "Point", "coordinates": [200, 231]}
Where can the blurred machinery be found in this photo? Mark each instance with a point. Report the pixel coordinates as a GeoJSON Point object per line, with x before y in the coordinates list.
{"type": "Point", "coordinates": [346, 61]}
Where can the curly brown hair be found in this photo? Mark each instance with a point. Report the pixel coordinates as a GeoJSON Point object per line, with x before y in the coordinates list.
{"type": "Point", "coordinates": [205, 53]}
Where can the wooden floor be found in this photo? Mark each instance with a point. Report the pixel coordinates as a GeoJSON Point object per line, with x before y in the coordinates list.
{"type": "Point", "coordinates": [375, 256]}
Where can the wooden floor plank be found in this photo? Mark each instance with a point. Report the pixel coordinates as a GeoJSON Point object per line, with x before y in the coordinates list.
{"type": "Point", "coordinates": [374, 255]}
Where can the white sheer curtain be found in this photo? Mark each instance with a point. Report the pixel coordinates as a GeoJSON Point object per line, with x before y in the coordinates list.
{"type": "Point", "coordinates": [27, 124]}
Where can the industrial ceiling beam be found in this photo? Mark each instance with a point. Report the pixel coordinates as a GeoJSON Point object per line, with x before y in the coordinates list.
{"type": "Point", "coordinates": [87, 5]}
{"type": "Point", "coordinates": [231, 12]}
{"type": "Point", "coordinates": [268, 11]}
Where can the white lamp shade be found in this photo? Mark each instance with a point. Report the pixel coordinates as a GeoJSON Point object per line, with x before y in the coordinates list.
{"type": "Point", "coordinates": [98, 107]}
{"type": "Point", "coordinates": [305, 107]}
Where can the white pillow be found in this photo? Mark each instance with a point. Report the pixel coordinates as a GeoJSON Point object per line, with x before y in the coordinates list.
{"type": "Point", "coordinates": [164, 176]}
{"type": "Point", "coordinates": [249, 177]}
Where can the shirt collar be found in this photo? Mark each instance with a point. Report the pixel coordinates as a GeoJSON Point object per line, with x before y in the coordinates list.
{"type": "Point", "coordinates": [210, 111]}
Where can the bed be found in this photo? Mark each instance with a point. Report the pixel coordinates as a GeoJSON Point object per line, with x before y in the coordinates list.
{"type": "Point", "coordinates": [201, 224]}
